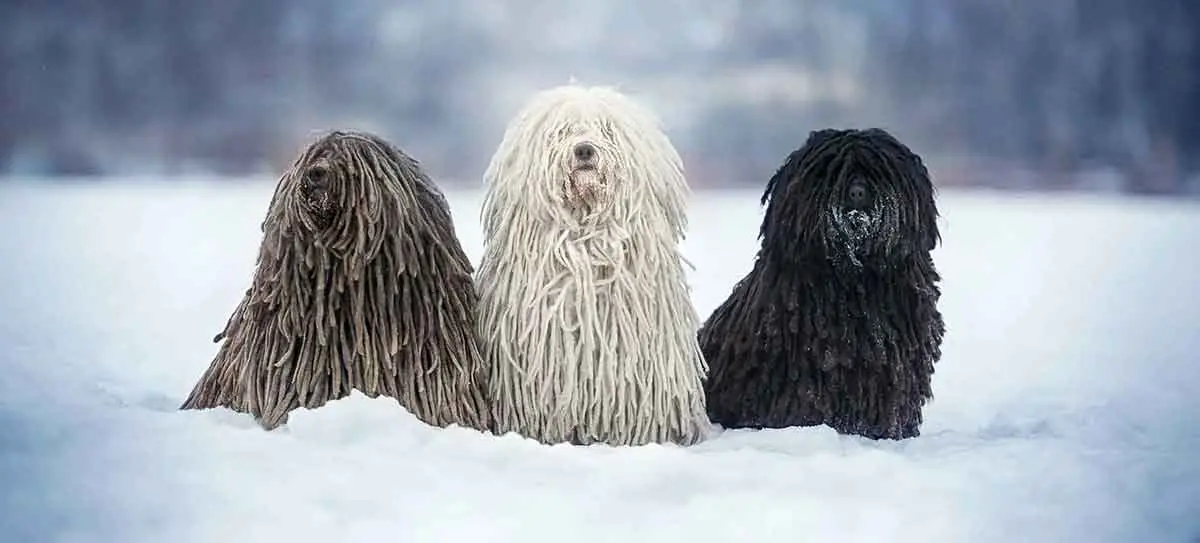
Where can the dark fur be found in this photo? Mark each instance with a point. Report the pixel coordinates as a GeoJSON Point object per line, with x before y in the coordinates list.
{"type": "Point", "coordinates": [361, 284]}
{"type": "Point", "coordinates": [825, 330]}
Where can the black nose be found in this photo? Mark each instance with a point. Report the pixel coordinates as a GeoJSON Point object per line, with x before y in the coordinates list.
{"type": "Point", "coordinates": [584, 152]}
{"type": "Point", "coordinates": [317, 178]}
{"type": "Point", "coordinates": [858, 195]}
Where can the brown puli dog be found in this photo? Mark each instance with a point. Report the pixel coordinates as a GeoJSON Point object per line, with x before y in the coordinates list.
{"type": "Point", "coordinates": [837, 323]}
{"type": "Point", "coordinates": [361, 284]}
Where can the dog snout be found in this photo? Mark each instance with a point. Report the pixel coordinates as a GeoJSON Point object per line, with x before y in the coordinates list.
{"type": "Point", "coordinates": [315, 186]}
{"type": "Point", "coordinates": [858, 195]}
{"type": "Point", "coordinates": [585, 152]}
{"type": "Point", "coordinates": [317, 178]}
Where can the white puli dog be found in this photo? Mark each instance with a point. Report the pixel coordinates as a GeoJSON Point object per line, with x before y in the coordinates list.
{"type": "Point", "coordinates": [585, 316]}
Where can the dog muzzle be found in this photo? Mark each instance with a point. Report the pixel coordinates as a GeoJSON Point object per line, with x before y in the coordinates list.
{"type": "Point", "coordinates": [850, 230]}
{"type": "Point", "coordinates": [586, 187]}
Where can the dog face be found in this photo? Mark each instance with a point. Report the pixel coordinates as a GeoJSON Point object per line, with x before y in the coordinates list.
{"type": "Point", "coordinates": [318, 184]}
{"type": "Point", "coordinates": [330, 174]}
{"type": "Point", "coordinates": [588, 175]}
{"type": "Point", "coordinates": [858, 198]}
{"type": "Point", "coordinates": [345, 173]}
{"type": "Point", "coordinates": [576, 156]}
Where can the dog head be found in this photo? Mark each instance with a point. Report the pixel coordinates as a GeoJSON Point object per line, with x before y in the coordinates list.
{"type": "Point", "coordinates": [584, 154]}
{"type": "Point", "coordinates": [350, 186]}
{"type": "Point", "coordinates": [858, 198]}
{"type": "Point", "coordinates": [590, 153]}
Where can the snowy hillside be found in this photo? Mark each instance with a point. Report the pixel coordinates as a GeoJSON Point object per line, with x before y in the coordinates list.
{"type": "Point", "coordinates": [1066, 401]}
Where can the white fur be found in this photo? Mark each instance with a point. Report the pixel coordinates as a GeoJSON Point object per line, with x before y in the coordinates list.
{"type": "Point", "coordinates": [586, 318]}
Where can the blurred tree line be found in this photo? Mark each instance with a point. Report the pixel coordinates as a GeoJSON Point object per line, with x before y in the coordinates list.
{"type": "Point", "coordinates": [1054, 86]}
{"type": "Point", "coordinates": [170, 86]}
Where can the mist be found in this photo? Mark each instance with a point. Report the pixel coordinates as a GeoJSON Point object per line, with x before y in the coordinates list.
{"type": "Point", "coordinates": [1064, 94]}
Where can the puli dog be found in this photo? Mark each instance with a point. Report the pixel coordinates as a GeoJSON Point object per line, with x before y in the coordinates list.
{"type": "Point", "coordinates": [837, 323]}
{"type": "Point", "coordinates": [361, 284]}
{"type": "Point", "coordinates": [586, 319]}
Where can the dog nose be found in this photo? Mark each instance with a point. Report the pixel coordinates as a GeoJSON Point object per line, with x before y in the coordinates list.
{"type": "Point", "coordinates": [857, 194]}
{"type": "Point", "coordinates": [317, 178]}
{"type": "Point", "coordinates": [584, 152]}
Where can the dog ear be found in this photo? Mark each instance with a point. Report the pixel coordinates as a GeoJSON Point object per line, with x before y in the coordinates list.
{"type": "Point", "coordinates": [775, 195]}
{"type": "Point", "coordinates": [780, 179]}
{"type": "Point", "coordinates": [923, 182]}
{"type": "Point", "coordinates": [918, 187]}
{"type": "Point", "coordinates": [791, 166]}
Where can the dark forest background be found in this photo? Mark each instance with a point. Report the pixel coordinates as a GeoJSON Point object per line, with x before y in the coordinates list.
{"type": "Point", "coordinates": [1055, 94]}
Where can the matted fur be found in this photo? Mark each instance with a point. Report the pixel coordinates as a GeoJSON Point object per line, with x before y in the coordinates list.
{"type": "Point", "coordinates": [361, 284]}
{"type": "Point", "coordinates": [585, 315]}
{"type": "Point", "coordinates": [837, 323]}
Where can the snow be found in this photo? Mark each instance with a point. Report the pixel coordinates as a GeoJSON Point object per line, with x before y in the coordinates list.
{"type": "Point", "coordinates": [1066, 405]}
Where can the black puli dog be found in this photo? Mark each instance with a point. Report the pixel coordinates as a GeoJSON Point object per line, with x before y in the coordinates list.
{"type": "Point", "coordinates": [361, 284]}
{"type": "Point", "coordinates": [837, 323]}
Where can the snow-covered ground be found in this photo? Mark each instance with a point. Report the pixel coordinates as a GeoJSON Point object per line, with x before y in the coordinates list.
{"type": "Point", "coordinates": [1067, 401]}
